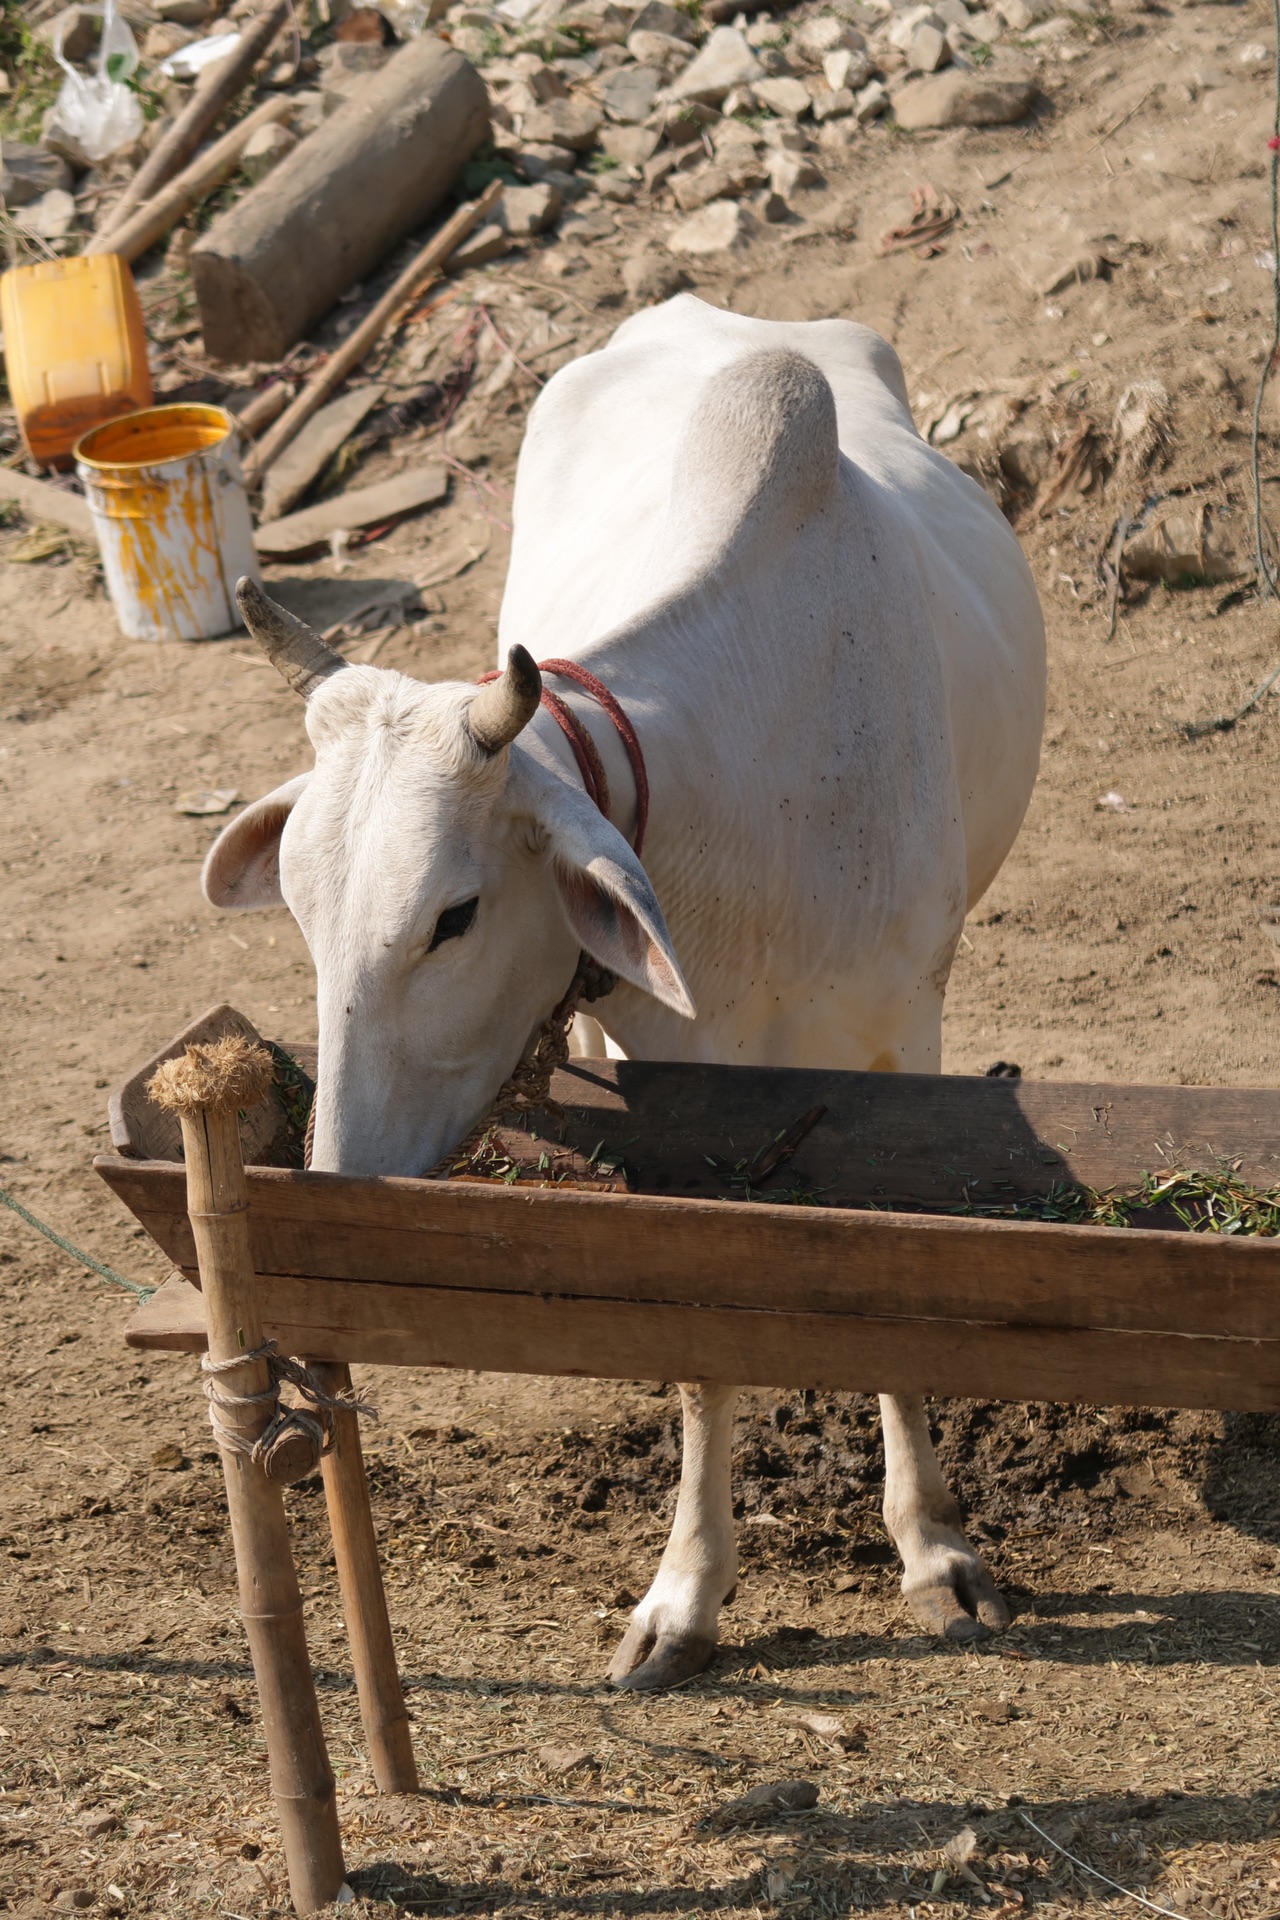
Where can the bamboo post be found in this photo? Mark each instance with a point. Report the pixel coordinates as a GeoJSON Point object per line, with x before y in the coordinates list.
{"type": "Point", "coordinates": [215, 90]}
{"type": "Point", "coordinates": [206, 1088]}
{"type": "Point", "coordinates": [364, 1600]}
{"type": "Point", "coordinates": [160, 214]}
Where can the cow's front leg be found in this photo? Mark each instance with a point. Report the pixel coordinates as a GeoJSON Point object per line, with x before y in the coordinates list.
{"type": "Point", "coordinates": [674, 1629]}
{"type": "Point", "coordinates": [944, 1582]}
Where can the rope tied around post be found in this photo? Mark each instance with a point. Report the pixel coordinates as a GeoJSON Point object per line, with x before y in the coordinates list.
{"type": "Point", "coordinates": [295, 1438]}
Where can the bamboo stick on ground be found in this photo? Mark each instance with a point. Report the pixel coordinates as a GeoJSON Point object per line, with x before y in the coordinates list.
{"type": "Point", "coordinates": [364, 1600]}
{"type": "Point", "coordinates": [194, 184]}
{"type": "Point", "coordinates": [206, 1088]}
{"type": "Point", "coordinates": [215, 91]}
{"type": "Point", "coordinates": [375, 323]}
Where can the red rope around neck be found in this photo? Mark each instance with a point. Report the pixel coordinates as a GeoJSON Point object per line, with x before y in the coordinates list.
{"type": "Point", "coordinates": [590, 765]}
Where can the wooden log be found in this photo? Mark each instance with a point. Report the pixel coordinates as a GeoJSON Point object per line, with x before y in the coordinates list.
{"type": "Point", "coordinates": [164, 210]}
{"type": "Point", "coordinates": [257, 414]}
{"type": "Point", "coordinates": [206, 1096]}
{"type": "Point", "coordinates": [349, 355]}
{"type": "Point", "coordinates": [369, 175]}
{"type": "Point", "coordinates": [364, 1600]}
{"type": "Point", "coordinates": [216, 89]}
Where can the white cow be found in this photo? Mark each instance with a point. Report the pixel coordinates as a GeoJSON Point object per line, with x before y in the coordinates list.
{"type": "Point", "coordinates": [830, 645]}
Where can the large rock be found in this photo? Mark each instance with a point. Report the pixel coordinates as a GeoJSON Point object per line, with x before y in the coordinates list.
{"type": "Point", "coordinates": [959, 99]}
{"type": "Point", "coordinates": [628, 94]}
{"type": "Point", "coordinates": [724, 226]}
{"type": "Point", "coordinates": [787, 96]}
{"type": "Point", "coordinates": [571, 123]}
{"type": "Point", "coordinates": [527, 210]}
{"type": "Point", "coordinates": [28, 172]}
{"type": "Point", "coordinates": [824, 34]}
{"type": "Point", "coordinates": [725, 62]}
{"type": "Point", "coordinates": [659, 18]}
{"type": "Point", "coordinates": [630, 146]}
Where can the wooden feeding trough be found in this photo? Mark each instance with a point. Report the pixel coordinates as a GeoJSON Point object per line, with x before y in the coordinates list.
{"type": "Point", "coordinates": [762, 1227]}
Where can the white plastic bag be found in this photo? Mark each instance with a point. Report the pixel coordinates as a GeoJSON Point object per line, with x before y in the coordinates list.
{"type": "Point", "coordinates": [99, 113]}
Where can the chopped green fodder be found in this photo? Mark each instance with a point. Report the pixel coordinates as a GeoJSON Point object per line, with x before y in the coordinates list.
{"type": "Point", "coordinates": [1200, 1201]}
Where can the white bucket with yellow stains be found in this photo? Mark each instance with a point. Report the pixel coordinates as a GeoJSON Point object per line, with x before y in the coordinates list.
{"type": "Point", "coordinates": [172, 518]}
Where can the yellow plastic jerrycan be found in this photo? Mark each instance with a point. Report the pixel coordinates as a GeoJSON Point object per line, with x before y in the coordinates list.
{"type": "Point", "coordinates": [75, 350]}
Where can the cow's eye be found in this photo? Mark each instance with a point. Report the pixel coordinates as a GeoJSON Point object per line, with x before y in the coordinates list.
{"type": "Point", "coordinates": [453, 923]}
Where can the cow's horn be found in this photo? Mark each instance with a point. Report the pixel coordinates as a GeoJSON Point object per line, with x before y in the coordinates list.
{"type": "Point", "coordinates": [507, 704]}
{"type": "Point", "coordinates": [289, 643]}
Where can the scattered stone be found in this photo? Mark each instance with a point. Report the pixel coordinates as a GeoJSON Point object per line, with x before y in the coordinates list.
{"type": "Point", "coordinates": [187, 13]}
{"type": "Point", "coordinates": [954, 12]}
{"type": "Point", "coordinates": [846, 67]}
{"type": "Point", "coordinates": [905, 25]}
{"type": "Point", "coordinates": [264, 149]}
{"type": "Point", "coordinates": [725, 62]}
{"type": "Point", "coordinates": [660, 50]}
{"type": "Point", "coordinates": [693, 190]}
{"type": "Point", "coordinates": [960, 99]}
{"type": "Point", "coordinates": [1181, 545]}
{"type": "Point", "coordinates": [555, 164]}
{"type": "Point", "coordinates": [170, 1458]}
{"type": "Point", "coordinates": [871, 101]}
{"type": "Point", "coordinates": [986, 27]}
{"type": "Point", "coordinates": [629, 93]}
{"type": "Point", "coordinates": [739, 100]}
{"type": "Point", "coordinates": [528, 210]}
{"type": "Point", "coordinates": [763, 1803]}
{"type": "Point", "coordinates": [564, 123]}
{"type": "Point", "coordinates": [659, 18]}
{"type": "Point", "coordinates": [50, 217]}
{"type": "Point", "coordinates": [78, 28]}
{"type": "Point", "coordinates": [27, 172]}
{"type": "Point", "coordinates": [824, 34]}
{"type": "Point", "coordinates": [163, 40]}
{"type": "Point", "coordinates": [630, 146]}
{"type": "Point", "coordinates": [684, 121]}
{"type": "Point", "coordinates": [772, 207]}
{"type": "Point", "coordinates": [650, 277]}
{"type": "Point", "coordinates": [563, 1760]}
{"type": "Point", "coordinates": [789, 171]}
{"type": "Point", "coordinates": [724, 226]}
{"type": "Point", "coordinates": [659, 170]}
{"type": "Point", "coordinates": [485, 244]}
{"type": "Point", "coordinates": [787, 96]}
{"type": "Point", "coordinates": [99, 1823]}
{"type": "Point", "coordinates": [1020, 15]}
{"type": "Point", "coordinates": [832, 106]}
{"type": "Point", "coordinates": [835, 134]}
{"type": "Point", "coordinates": [785, 136]}
{"type": "Point", "coordinates": [928, 50]}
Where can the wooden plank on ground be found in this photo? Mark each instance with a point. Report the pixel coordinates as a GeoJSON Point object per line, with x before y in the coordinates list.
{"type": "Point", "coordinates": [388, 501]}
{"type": "Point", "coordinates": [40, 500]}
{"type": "Point", "coordinates": [504, 1241]}
{"type": "Point", "coordinates": [629, 1340]}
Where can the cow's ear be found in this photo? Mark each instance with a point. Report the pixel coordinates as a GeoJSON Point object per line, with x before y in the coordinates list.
{"type": "Point", "coordinates": [243, 866]}
{"type": "Point", "coordinates": [608, 900]}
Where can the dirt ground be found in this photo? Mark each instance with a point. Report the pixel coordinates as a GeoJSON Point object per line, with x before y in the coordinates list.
{"type": "Point", "coordinates": [1131, 1712]}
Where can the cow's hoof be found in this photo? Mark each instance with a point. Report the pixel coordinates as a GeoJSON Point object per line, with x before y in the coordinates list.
{"type": "Point", "coordinates": [971, 1609]}
{"type": "Point", "coordinates": [645, 1662]}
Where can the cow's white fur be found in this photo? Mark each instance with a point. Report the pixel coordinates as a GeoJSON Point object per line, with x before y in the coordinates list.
{"type": "Point", "coordinates": [834, 657]}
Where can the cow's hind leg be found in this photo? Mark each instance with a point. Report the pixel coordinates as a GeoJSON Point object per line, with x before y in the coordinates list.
{"type": "Point", "coordinates": [944, 1581]}
{"type": "Point", "coordinates": [674, 1629]}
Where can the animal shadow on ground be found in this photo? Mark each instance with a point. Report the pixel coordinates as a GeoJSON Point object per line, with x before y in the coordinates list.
{"type": "Point", "coordinates": [1241, 1481]}
{"type": "Point", "coordinates": [843, 1855]}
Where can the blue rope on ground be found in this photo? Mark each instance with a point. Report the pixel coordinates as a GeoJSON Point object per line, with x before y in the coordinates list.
{"type": "Point", "coordinates": [77, 1253]}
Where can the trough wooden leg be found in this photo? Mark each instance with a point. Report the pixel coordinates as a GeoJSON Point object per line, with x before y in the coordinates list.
{"type": "Point", "coordinates": [364, 1600]}
{"type": "Point", "coordinates": [270, 1603]}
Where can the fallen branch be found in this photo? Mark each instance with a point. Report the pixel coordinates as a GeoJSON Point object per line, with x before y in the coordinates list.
{"type": "Point", "coordinates": [164, 210]}
{"type": "Point", "coordinates": [375, 323]}
{"type": "Point", "coordinates": [217, 89]}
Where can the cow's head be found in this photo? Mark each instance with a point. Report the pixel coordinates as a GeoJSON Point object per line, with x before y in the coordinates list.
{"type": "Point", "coordinates": [445, 881]}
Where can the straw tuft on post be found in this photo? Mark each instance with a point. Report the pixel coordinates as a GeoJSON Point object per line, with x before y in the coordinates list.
{"type": "Point", "coordinates": [216, 1076]}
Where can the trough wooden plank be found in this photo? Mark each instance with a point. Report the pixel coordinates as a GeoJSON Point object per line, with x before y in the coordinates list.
{"type": "Point", "coordinates": [508, 1241]}
{"type": "Point", "coordinates": [889, 1140]}
{"type": "Point", "coordinates": [630, 1340]}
